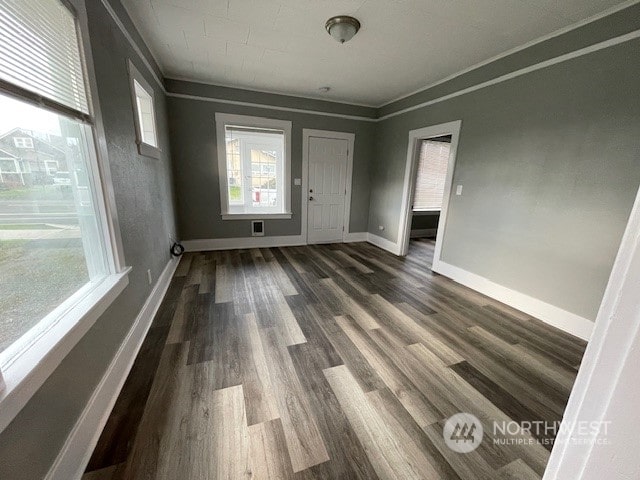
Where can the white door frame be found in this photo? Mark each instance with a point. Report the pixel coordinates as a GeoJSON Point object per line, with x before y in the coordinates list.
{"type": "Point", "coordinates": [404, 229]}
{"type": "Point", "coordinates": [350, 138]}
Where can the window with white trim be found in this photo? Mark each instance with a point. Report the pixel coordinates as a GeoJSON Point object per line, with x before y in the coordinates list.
{"type": "Point", "coordinates": [58, 266]}
{"type": "Point", "coordinates": [254, 166]}
{"type": "Point", "coordinates": [23, 142]}
{"type": "Point", "coordinates": [433, 162]}
{"type": "Point", "coordinates": [144, 112]}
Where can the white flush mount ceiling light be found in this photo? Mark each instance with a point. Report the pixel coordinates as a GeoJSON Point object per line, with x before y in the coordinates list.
{"type": "Point", "coordinates": [342, 27]}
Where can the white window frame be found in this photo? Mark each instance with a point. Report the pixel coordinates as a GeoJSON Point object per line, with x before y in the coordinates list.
{"type": "Point", "coordinates": [23, 142]}
{"type": "Point", "coordinates": [27, 363]}
{"type": "Point", "coordinates": [145, 149]}
{"type": "Point", "coordinates": [224, 119]}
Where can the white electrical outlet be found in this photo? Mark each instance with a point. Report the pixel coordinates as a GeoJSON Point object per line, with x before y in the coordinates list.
{"type": "Point", "coordinates": [149, 276]}
{"type": "Point", "coordinates": [380, 227]}
{"type": "Point", "coordinates": [459, 190]}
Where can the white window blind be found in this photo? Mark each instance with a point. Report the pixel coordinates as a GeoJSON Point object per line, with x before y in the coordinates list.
{"type": "Point", "coordinates": [39, 51]}
{"type": "Point", "coordinates": [431, 176]}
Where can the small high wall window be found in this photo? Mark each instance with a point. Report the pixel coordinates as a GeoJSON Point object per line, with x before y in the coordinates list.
{"type": "Point", "coordinates": [432, 173]}
{"type": "Point", "coordinates": [254, 166]}
{"type": "Point", "coordinates": [144, 113]}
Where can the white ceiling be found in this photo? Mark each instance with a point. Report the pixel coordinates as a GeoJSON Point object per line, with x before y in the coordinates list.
{"type": "Point", "coordinates": [282, 46]}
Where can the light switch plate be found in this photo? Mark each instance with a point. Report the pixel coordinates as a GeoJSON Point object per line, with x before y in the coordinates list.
{"type": "Point", "coordinates": [297, 181]}
{"type": "Point", "coordinates": [459, 190]}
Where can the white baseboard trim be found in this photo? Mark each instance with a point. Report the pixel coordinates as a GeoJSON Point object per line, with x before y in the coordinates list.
{"type": "Point", "coordinates": [355, 237]}
{"type": "Point", "coordinates": [76, 452]}
{"type": "Point", "coordinates": [555, 316]}
{"type": "Point", "coordinates": [423, 232]}
{"type": "Point", "coordinates": [383, 243]}
{"type": "Point", "coordinates": [204, 245]}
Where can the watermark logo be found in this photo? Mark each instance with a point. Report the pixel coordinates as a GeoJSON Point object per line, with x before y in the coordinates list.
{"type": "Point", "coordinates": [463, 432]}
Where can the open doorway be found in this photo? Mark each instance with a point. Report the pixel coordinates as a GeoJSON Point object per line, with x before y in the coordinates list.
{"type": "Point", "coordinates": [428, 193]}
{"type": "Point", "coordinates": [428, 176]}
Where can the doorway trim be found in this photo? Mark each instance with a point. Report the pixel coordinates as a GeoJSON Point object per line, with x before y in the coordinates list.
{"type": "Point", "coordinates": [406, 214]}
{"type": "Point", "coordinates": [350, 138]}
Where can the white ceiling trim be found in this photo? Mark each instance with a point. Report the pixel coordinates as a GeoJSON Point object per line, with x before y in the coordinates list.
{"type": "Point", "coordinates": [524, 46]}
{"type": "Point", "coordinates": [523, 71]}
{"type": "Point", "coordinates": [271, 107]}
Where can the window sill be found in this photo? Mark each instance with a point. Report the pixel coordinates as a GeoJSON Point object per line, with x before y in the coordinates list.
{"type": "Point", "coordinates": [255, 216]}
{"type": "Point", "coordinates": [421, 213]}
{"type": "Point", "coordinates": [28, 363]}
{"type": "Point", "coordinates": [147, 150]}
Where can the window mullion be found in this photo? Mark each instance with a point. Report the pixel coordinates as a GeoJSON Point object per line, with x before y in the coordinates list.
{"type": "Point", "coordinates": [247, 175]}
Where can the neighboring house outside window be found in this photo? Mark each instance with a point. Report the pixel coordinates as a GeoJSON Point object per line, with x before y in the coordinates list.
{"type": "Point", "coordinates": [254, 156]}
{"type": "Point", "coordinates": [47, 154]}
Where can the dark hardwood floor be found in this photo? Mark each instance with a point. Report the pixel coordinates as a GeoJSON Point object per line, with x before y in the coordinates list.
{"type": "Point", "coordinates": [331, 362]}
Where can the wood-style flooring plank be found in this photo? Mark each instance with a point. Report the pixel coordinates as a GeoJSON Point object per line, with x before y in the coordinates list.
{"type": "Point", "coordinates": [269, 454]}
{"type": "Point", "coordinates": [152, 437]}
{"type": "Point", "coordinates": [260, 400]}
{"type": "Point", "coordinates": [224, 283]}
{"type": "Point", "coordinates": [391, 452]}
{"type": "Point", "coordinates": [230, 436]}
{"type": "Point", "coordinates": [348, 458]}
{"type": "Point", "coordinates": [386, 400]}
{"type": "Point", "coordinates": [304, 442]}
{"type": "Point", "coordinates": [208, 278]}
{"type": "Point", "coordinates": [180, 330]}
{"type": "Point", "coordinates": [411, 398]}
{"type": "Point", "coordinates": [184, 265]}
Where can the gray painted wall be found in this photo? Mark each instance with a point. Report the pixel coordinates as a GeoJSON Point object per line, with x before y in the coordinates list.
{"type": "Point", "coordinates": [143, 190]}
{"type": "Point", "coordinates": [550, 163]}
{"type": "Point", "coordinates": [193, 140]}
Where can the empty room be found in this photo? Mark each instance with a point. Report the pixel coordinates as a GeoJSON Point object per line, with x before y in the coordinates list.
{"type": "Point", "coordinates": [319, 239]}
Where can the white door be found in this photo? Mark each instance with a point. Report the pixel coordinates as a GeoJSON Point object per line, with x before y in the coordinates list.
{"type": "Point", "coordinates": [327, 189]}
